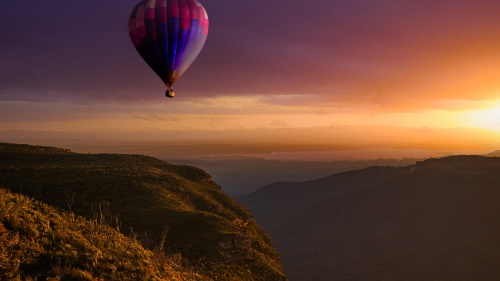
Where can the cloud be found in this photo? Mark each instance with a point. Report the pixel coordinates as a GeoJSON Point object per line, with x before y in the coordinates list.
{"type": "Point", "coordinates": [386, 54]}
{"type": "Point", "coordinates": [425, 130]}
{"type": "Point", "coordinates": [155, 117]}
{"type": "Point", "coordinates": [277, 123]}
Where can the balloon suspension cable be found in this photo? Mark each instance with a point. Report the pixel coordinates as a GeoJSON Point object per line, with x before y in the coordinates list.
{"type": "Point", "coordinates": [170, 92]}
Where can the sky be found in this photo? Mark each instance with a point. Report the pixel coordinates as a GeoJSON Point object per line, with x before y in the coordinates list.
{"type": "Point", "coordinates": [292, 79]}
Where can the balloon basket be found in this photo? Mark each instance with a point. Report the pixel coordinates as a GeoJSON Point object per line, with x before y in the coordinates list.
{"type": "Point", "coordinates": [170, 94]}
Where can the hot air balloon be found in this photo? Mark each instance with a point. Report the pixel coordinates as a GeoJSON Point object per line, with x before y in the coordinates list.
{"type": "Point", "coordinates": [169, 35]}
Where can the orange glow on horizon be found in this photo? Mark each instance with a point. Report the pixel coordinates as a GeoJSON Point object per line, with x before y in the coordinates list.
{"type": "Point", "coordinates": [486, 118]}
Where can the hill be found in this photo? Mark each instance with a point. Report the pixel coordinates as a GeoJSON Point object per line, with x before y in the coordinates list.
{"type": "Point", "coordinates": [495, 153]}
{"type": "Point", "coordinates": [37, 242]}
{"type": "Point", "coordinates": [239, 176]}
{"type": "Point", "coordinates": [435, 220]}
{"type": "Point", "coordinates": [177, 208]}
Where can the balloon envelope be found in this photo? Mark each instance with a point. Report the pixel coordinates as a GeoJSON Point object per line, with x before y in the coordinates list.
{"type": "Point", "coordinates": [169, 35]}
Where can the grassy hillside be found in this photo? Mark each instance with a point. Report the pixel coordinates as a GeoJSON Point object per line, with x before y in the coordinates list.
{"type": "Point", "coordinates": [177, 208]}
{"type": "Point", "coordinates": [435, 220]}
{"type": "Point", "coordinates": [37, 242]}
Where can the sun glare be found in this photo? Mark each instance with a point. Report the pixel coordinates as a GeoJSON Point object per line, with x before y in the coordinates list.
{"type": "Point", "coordinates": [486, 118]}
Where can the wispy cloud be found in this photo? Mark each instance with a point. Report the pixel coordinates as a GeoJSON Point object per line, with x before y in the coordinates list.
{"type": "Point", "coordinates": [342, 52]}
{"type": "Point", "coordinates": [375, 72]}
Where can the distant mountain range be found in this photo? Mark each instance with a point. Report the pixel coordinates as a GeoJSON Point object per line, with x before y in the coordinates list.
{"type": "Point", "coordinates": [436, 220]}
{"type": "Point", "coordinates": [241, 176]}
{"type": "Point", "coordinates": [494, 153]}
{"type": "Point", "coordinates": [177, 212]}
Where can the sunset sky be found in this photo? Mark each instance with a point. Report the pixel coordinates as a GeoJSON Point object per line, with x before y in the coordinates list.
{"type": "Point", "coordinates": [350, 78]}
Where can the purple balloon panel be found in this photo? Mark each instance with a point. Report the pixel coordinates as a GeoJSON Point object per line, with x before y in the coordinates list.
{"type": "Point", "coordinates": [169, 35]}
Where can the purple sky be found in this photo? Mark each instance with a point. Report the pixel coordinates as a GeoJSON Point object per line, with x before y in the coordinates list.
{"type": "Point", "coordinates": [80, 50]}
{"type": "Point", "coordinates": [403, 74]}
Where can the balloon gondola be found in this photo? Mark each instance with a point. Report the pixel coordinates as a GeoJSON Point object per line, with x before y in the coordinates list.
{"type": "Point", "coordinates": [170, 93]}
{"type": "Point", "coordinates": [169, 35]}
